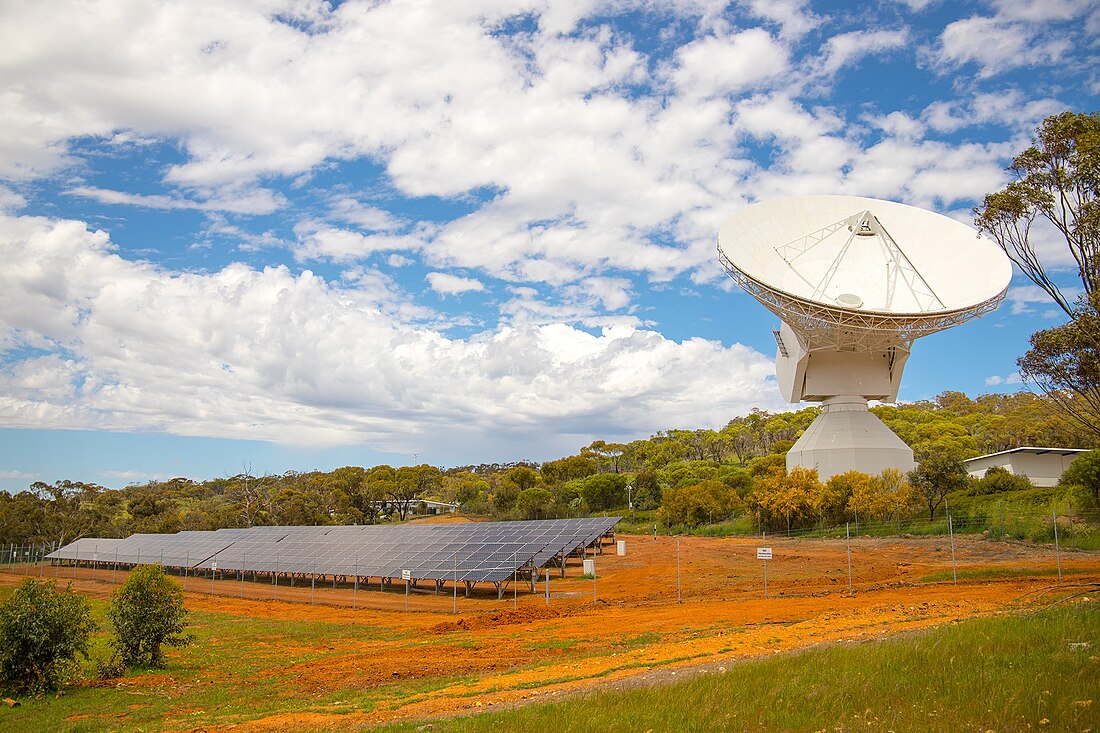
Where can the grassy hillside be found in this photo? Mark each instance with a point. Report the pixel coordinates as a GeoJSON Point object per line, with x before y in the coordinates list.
{"type": "Point", "coordinates": [1012, 673]}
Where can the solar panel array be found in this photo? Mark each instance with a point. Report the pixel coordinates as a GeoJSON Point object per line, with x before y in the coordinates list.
{"type": "Point", "coordinates": [461, 552]}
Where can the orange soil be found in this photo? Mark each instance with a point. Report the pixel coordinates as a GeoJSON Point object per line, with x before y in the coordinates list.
{"type": "Point", "coordinates": [636, 632]}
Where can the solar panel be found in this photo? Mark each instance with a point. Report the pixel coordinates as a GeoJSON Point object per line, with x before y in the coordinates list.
{"type": "Point", "coordinates": [472, 552]}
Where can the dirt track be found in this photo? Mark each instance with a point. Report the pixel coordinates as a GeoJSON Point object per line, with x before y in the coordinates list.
{"type": "Point", "coordinates": [636, 630]}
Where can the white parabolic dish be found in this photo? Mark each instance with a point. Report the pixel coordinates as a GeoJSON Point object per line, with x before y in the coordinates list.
{"type": "Point", "coordinates": [849, 271]}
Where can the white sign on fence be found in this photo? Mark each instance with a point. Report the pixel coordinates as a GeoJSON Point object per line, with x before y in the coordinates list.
{"type": "Point", "coordinates": [406, 575]}
{"type": "Point", "coordinates": [763, 553]}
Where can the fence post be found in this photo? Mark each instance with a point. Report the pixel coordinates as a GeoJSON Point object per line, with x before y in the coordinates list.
{"type": "Point", "coordinates": [679, 597]}
{"type": "Point", "coordinates": [848, 538]}
{"type": "Point", "coordinates": [951, 531]}
{"type": "Point", "coordinates": [1001, 517]}
{"type": "Point", "coordinates": [1057, 548]}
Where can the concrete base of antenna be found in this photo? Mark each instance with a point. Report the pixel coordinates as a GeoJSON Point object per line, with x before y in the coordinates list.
{"type": "Point", "coordinates": [847, 437]}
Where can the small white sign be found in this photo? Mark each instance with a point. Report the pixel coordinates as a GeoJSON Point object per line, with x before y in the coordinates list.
{"type": "Point", "coordinates": [406, 575]}
{"type": "Point", "coordinates": [763, 553]}
{"type": "Point", "coordinates": [214, 565]}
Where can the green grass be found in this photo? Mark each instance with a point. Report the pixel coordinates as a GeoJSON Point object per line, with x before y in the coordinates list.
{"type": "Point", "coordinates": [1001, 573]}
{"type": "Point", "coordinates": [1011, 673]}
{"type": "Point", "coordinates": [232, 673]}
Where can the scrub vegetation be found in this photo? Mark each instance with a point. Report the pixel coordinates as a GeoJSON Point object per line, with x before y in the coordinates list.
{"type": "Point", "coordinates": [1004, 674]}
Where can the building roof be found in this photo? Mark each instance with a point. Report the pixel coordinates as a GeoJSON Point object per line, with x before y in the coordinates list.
{"type": "Point", "coordinates": [1033, 451]}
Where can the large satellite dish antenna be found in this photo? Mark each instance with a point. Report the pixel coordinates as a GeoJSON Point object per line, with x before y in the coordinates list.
{"type": "Point", "coordinates": [855, 281]}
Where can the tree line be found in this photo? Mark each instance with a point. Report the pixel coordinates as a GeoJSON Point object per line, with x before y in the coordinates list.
{"type": "Point", "coordinates": [683, 476]}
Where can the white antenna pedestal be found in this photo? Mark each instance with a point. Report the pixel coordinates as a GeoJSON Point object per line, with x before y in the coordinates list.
{"type": "Point", "coordinates": [846, 436]}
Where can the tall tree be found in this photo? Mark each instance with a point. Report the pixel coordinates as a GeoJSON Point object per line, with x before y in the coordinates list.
{"type": "Point", "coordinates": [413, 482]}
{"type": "Point", "coordinates": [936, 476]}
{"type": "Point", "coordinates": [1057, 180]}
{"type": "Point", "coordinates": [1085, 471]}
{"type": "Point", "coordinates": [1064, 362]}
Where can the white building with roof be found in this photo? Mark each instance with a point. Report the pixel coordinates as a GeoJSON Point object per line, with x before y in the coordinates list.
{"type": "Point", "coordinates": [1043, 466]}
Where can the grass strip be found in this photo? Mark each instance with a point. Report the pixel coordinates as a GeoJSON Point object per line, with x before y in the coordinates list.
{"type": "Point", "coordinates": [997, 573]}
{"type": "Point", "coordinates": [1008, 673]}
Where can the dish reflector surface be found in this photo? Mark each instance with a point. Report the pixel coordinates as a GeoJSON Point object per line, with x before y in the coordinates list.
{"type": "Point", "coordinates": [897, 259]}
{"type": "Point", "coordinates": [849, 271]}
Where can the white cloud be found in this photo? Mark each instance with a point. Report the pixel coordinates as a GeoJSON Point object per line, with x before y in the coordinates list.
{"type": "Point", "coordinates": [17, 475]}
{"type": "Point", "coordinates": [847, 48]}
{"type": "Point", "coordinates": [352, 211]}
{"type": "Point", "coordinates": [917, 5]}
{"type": "Point", "coordinates": [236, 200]}
{"type": "Point", "coordinates": [134, 476]}
{"type": "Point", "coordinates": [999, 381]}
{"type": "Point", "coordinates": [576, 169]}
{"type": "Point", "coordinates": [320, 241]}
{"type": "Point", "coordinates": [447, 284]}
{"type": "Point", "coordinates": [997, 45]}
{"type": "Point", "coordinates": [599, 158]}
{"type": "Point", "coordinates": [10, 201]}
{"type": "Point", "coordinates": [1006, 107]}
{"type": "Point", "coordinates": [269, 355]}
{"type": "Point", "coordinates": [722, 65]}
{"type": "Point", "coordinates": [1024, 297]}
{"type": "Point", "coordinates": [1047, 10]}
{"type": "Point", "coordinates": [793, 17]}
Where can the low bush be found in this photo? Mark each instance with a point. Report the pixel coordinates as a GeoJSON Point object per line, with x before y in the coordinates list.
{"type": "Point", "coordinates": [42, 631]}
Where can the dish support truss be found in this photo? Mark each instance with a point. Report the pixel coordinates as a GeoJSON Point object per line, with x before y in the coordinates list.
{"type": "Point", "coordinates": [842, 329]}
{"type": "Point", "coordinates": [864, 226]}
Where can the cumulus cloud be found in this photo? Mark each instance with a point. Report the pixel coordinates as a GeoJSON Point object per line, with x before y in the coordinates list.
{"type": "Point", "coordinates": [997, 45]}
{"type": "Point", "coordinates": [793, 17]}
{"type": "Point", "coordinates": [720, 65]}
{"type": "Point", "coordinates": [274, 356]}
{"type": "Point", "coordinates": [321, 241]}
{"type": "Point", "coordinates": [10, 201]}
{"type": "Point", "coordinates": [999, 381]}
{"type": "Point", "coordinates": [539, 152]}
{"type": "Point", "coordinates": [847, 48]}
{"type": "Point", "coordinates": [1006, 107]}
{"type": "Point", "coordinates": [447, 284]}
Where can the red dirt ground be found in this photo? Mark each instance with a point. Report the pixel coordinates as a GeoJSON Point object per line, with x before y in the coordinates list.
{"type": "Point", "coordinates": [490, 654]}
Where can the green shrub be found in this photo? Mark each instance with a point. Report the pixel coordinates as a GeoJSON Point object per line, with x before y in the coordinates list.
{"type": "Point", "coordinates": [147, 612]}
{"type": "Point", "coordinates": [42, 630]}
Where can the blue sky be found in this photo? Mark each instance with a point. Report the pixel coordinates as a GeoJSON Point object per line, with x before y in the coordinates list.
{"type": "Point", "coordinates": [295, 235]}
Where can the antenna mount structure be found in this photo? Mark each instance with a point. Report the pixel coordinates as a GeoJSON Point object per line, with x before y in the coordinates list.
{"type": "Point", "coordinates": [854, 282]}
